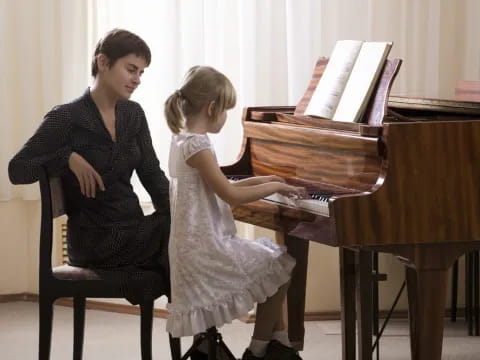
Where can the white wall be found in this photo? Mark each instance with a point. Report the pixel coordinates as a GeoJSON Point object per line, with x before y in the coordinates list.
{"type": "Point", "coordinates": [18, 225]}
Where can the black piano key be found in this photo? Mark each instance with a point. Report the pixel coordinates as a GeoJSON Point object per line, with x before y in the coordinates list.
{"type": "Point", "coordinates": [320, 195]}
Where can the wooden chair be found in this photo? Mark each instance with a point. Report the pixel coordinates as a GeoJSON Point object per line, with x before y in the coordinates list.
{"type": "Point", "coordinates": [77, 283]}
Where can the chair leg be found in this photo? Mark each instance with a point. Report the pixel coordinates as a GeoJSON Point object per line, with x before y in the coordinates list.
{"type": "Point", "coordinates": [225, 349]}
{"type": "Point", "coordinates": [453, 307]}
{"type": "Point", "coordinates": [476, 277]}
{"type": "Point", "coordinates": [175, 347]}
{"type": "Point", "coordinates": [146, 319]}
{"type": "Point", "coordinates": [212, 343]}
{"type": "Point", "coordinates": [45, 329]}
{"type": "Point", "coordinates": [469, 287]}
{"type": "Point", "coordinates": [78, 326]}
{"type": "Point", "coordinates": [217, 349]}
{"type": "Point", "coordinates": [194, 346]}
{"type": "Point", "coordinates": [375, 301]}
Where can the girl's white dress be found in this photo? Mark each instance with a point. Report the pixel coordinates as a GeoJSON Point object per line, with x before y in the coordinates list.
{"type": "Point", "coordinates": [215, 275]}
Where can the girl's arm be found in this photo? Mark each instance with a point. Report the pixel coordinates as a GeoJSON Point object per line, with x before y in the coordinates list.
{"type": "Point", "coordinates": [208, 168]}
{"type": "Point", "coordinates": [257, 180]}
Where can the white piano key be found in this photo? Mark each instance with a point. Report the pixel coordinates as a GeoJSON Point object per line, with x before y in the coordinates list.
{"type": "Point", "coordinates": [316, 206]}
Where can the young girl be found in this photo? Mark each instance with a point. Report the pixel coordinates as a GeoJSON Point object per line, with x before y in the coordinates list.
{"type": "Point", "coordinates": [217, 276]}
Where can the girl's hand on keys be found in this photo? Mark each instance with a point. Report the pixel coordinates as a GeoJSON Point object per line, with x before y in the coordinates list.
{"type": "Point", "coordinates": [296, 192]}
{"type": "Point", "coordinates": [272, 178]}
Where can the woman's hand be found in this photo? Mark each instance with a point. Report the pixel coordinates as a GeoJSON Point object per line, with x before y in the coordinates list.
{"type": "Point", "coordinates": [296, 192]}
{"type": "Point", "coordinates": [87, 177]}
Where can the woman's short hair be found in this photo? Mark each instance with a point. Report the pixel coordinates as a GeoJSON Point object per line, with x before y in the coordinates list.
{"type": "Point", "coordinates": [118, 43]}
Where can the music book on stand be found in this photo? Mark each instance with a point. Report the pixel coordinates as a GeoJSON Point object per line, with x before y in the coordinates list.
{"type": "Point", "coordinates": [347, 83]}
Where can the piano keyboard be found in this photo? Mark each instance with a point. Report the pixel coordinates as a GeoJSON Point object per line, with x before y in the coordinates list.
{"type": "Point", "coordinates": [318, 203]}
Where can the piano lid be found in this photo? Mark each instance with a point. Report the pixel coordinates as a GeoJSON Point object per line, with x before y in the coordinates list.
{"type": "Point", "coordinates": [463, 99]}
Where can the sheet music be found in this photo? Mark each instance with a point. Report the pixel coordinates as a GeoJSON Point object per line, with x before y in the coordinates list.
{"type": "Point", "coordinates": [329, 90]}
{"type": "Point", "coordinates": [362, 81]}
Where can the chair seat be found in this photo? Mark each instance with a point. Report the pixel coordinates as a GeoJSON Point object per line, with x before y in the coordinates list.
{"type": "Point", "coordinates": [142, 283]}
{"type": "Point", "coordinates": [67, 272]}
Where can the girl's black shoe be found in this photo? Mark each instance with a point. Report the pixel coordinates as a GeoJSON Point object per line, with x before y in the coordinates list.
{"type": "Point", "coordinates": [277, 351]}
{"type": "Point", "coordinates": [247, 355]}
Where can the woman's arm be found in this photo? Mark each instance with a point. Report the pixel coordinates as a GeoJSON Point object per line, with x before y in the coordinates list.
{"type": "Point", "coordinates": [49, 146]}
{"type": "Point", "coordinates": [149, 172]}
{"type": "Point", "coordinates": [208, 168]}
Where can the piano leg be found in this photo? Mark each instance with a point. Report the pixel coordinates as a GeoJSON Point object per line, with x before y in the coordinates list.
{"type": "Point", "coordinates": [364, 304]}
{"type": "Point", "coordinates": [426, 305]}
{"type": "Point", "coordinates": [297, 248]}
{"type": "Point", "coordinates": [356, 290]}
{"type": "Point", "coordinates": [347, 297]}
{"type": "Point", "coordinates": [427, 268]}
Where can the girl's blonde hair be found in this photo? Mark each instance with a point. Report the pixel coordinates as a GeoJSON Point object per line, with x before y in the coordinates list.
{"type": "Point", "coordinates": [202, 85]}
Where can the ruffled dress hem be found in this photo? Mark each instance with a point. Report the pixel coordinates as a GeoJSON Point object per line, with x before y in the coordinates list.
{"type": "Point", "coordinates": [188, 322]}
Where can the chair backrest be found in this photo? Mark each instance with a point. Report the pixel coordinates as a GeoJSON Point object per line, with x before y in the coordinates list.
{"type": "Point", "coordinates": [53, 206]}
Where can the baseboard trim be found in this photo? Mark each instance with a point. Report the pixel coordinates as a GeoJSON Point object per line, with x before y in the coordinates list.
{"type": "Point", "coordinates": [14, 297]}
{"type": "Point", "coordinates": [90, 304]}
{"type": "Point", "coordinates": [162, 313]}
{"type": "Point", "coordinates": [335, 315]}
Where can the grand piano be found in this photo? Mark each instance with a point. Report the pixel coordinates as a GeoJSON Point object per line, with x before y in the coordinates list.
{"type": "Point", "coordinates": [405, 181]}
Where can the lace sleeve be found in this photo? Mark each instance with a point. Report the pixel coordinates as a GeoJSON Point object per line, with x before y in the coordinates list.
{"type": "Point", "coordinates": [193, 144]}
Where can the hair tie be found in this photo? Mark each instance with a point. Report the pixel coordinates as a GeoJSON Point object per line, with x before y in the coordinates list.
{"type": "Point", "coordinates": [179, 93]}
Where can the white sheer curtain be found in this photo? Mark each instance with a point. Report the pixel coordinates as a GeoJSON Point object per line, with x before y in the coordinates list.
{"type": "Point", "coordinates": [43, 47]}
{"type": "Point", "coordinates": [267, 48]}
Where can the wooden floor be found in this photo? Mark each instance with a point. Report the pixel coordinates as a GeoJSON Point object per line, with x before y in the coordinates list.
{"type": "Point", "coordinates": [116, 336]}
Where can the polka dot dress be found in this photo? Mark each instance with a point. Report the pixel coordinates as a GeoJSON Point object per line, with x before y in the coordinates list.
{"type": "Point", "coordinates": [110, 231]}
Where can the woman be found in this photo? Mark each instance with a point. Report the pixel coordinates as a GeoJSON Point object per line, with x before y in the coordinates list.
{"type": "Point", "coordinates": [94, 143]}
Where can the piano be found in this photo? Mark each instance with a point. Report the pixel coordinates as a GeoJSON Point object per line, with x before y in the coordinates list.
{"type": "Point", "coordinates": [405, 181]}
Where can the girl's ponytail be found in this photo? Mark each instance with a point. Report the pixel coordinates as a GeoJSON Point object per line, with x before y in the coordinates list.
{"type": "Point", "coordinates": [173, 112]}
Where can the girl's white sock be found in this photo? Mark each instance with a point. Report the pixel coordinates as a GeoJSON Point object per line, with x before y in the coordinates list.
{"type": "Point", "coordinates": [258, 347]}
{"type": "Point", "coordinates": [282, 337]}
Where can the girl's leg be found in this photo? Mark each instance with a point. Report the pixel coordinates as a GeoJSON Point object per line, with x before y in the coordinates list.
{"type": "Point", "coordinates": [269, 317]}
{"type": "Point", "coordinates": [280, 323]}
{"type": "Point", "coordinates": [279, 330]}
